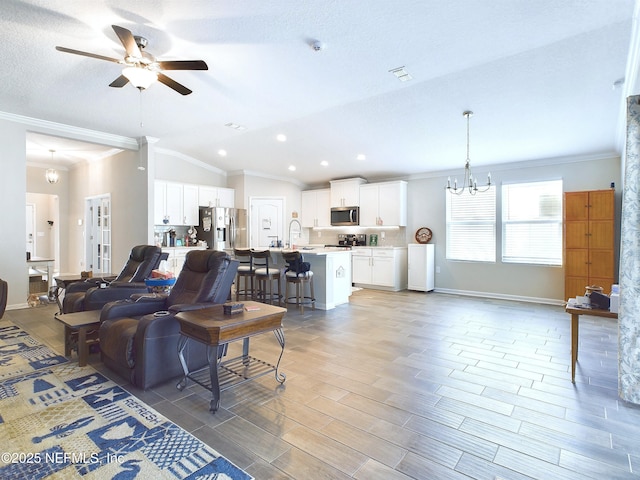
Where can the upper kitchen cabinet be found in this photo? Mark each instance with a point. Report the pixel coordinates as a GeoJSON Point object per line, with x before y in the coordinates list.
{"type": "Point", "coordinates": [383, 204]}
{"type": "Point", "coordinates": [175, 203]}
{"type": "Point", "coordinates": [346, 193]}
{"type": "Point", "coordinates": [316, 208]}
{"type": "Point", "coordinates": [216, 197]}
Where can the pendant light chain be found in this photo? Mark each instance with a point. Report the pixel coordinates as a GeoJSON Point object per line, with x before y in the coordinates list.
{"type": "Point", "coordinates": [469, 183]}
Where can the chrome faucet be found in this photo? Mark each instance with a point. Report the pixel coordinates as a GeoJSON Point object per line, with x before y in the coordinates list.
{"type": "Point", "coordinates": [291, 232]}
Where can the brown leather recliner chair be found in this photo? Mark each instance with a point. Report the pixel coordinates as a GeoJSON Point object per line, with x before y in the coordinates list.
{"type": "Point", "coordinates": [88, 295]}
{"type": "Point", "coordinates": [139, 336]}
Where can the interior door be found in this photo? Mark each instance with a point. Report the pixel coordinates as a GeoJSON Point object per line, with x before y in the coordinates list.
{"type": "Point", "coordinates": [98, 234]}
{"type": "Point", "coordinates": [31, 229]}
{"type": "Point", "coordinates": [266, 221]}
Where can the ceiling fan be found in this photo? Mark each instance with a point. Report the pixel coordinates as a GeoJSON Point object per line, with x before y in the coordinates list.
{"type": "Point", "coordinates": [141, 68]}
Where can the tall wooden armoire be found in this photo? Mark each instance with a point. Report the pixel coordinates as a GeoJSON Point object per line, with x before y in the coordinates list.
{"type": "Point", "coordinates": [589, 241]}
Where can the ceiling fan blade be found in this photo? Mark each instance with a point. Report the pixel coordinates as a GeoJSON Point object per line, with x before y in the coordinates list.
{"type": "Point", "coordinates": [183, 65]}
{"type": "Point", "coordinates": [173, 84]}
{"type": "Point", "coordinates": [129, 43]}
{"type": "Point", "coordinates": [86, 54]}
{"type": "Point", "coordinates": [119, 82]}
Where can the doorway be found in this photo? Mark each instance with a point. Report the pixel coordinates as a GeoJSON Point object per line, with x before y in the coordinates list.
{"type": "Point", "coordinates": [266, 227]}
{"type": "Point", "coordinates": [42, 226]}
{"type": "Point", "coordinates": [97, 233]}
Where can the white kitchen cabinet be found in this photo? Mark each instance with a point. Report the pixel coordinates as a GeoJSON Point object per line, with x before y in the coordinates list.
{"type": "Point", "coordinates": [315, 208]}
{"type": "Point", "coordinates": [175, 202]}
{"type": "Point", "coordinates": [379, 267]}
{"type": "Point", "coordinates": [177, 256]}
{"type": "Point", "coordinates": [361, 267]}
{"type": "Point", "coordinates": [159, 202]}
{"type": "Point", "coordinates": [190, 213]}
{"type": "Point", "coordinates": [421, 267]}
{"type": "Point", "coordinates": [383, 203]}
{"type": "Point", "coordinates": [346, 193]}
{"type": "Point", "coordinates": [216, 196]}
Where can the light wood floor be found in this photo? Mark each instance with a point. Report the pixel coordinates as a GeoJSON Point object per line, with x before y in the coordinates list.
{"type": "Point", "coordinates": [415, 385]}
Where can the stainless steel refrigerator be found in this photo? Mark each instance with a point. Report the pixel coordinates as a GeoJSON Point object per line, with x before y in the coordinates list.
{"type": "Point", "coordinates": [223, 228]}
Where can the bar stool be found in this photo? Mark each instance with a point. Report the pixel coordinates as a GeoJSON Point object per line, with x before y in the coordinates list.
{"type": "Point", "coordinates": [297, 274]}
{"type": "Point", "coordinates": [245, 273]}
{"type": "Point", "coordinates": [265, 275]}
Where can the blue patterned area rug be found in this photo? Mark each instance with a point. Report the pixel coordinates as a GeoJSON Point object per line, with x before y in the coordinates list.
{"type": "Point", "coordinates": [64, 421]}
{"type": "Point", "coordinates": [20, 353]}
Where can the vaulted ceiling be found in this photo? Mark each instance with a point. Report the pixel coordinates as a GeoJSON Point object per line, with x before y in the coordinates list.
{"type": "Point", "coordinates": [538, 74]}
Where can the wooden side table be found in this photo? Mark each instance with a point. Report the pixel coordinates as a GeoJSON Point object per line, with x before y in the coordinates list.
{"type": "Point", "coordinates": [215, 329]}
{"type": "Point", "coordinates": [575, 320]}
{"type": "Point", "coordinates": [79, 324]}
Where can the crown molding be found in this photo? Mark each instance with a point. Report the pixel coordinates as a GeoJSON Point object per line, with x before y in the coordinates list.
{"type": "Point", "coordinates": [194, 161]}
{"type": "Point", "coordinates": [252, 173]}
{"type": "Point", "coordinates": [501, 167]}
{"type": "Point", "coordinates": [70, 131]}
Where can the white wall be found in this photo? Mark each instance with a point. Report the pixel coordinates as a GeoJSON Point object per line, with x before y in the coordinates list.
{"type": "Point", "coordinates": [426, 198]}
{"type": "Point", "coordinates": [182, 169]}
{"type": "Point", "coordinates": [119, 177]}
{"type": "Point", "coordinates": [13, 188]}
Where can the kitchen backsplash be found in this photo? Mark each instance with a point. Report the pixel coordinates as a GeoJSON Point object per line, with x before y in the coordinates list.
{"type": "Point", "coordinates": [396, 237]}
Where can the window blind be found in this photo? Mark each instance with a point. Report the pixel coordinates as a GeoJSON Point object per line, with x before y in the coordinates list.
{"type": "Point", "coordinates": [532, 223]}
{"type": "Point", "coordinates": [471, 226]}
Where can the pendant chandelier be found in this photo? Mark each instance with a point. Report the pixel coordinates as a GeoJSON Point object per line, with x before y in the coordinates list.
{"type": "Point", "coordinates": [469, 183]}
{"type": "Point", "coordinates": [52, 175]}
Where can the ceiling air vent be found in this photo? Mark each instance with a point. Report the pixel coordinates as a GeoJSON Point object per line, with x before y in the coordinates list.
{"type": "Point", "coordinates": [401, 74]}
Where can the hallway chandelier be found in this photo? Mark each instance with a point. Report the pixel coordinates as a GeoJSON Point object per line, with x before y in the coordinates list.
{"type": "Point", "coordinates": [469, 183]}
{"type": "Point", "coordinates": [52, 175]}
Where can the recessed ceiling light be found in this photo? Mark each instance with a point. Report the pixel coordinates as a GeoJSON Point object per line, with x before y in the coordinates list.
{"type": "Point", "coordinates": [235, 126]}
{"type": "Point", "coordinates": [281, 137]}
{"type": "Point", "coordinates": [361, 156]}
{"type": "Point", "coordinates": [222, 153]}
{"type": "Point", "coordinates": [401, 74]}
{"type": "Point", "coordinates": [292, 168]}
{"type": "Point", "coordinates": [324, 163]}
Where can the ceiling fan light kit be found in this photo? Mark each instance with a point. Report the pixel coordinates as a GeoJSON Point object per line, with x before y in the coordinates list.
{"type": "Point", "coordinates": [141, 78]}
{"type": "Point", "coordinates": [142, 69]}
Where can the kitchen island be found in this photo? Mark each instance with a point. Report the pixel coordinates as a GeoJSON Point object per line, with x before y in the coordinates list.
{"type": "Point", "coordinates": [331, 269]}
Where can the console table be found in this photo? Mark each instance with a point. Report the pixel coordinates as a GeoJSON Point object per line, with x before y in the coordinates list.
{"type": "Point", "coordinates": [575, 320]}
{"type": "Point", "coordinates": [47, 263]}
{"type": "Point", "coordinates": [213, 328]}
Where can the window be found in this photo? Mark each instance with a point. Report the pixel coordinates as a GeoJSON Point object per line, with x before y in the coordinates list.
{"type": "Point", "coordinates": [471, 226]}
{"type": "Point", "coordinates": [532, 223]}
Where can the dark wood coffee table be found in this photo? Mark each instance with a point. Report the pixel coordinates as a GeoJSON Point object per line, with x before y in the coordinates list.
{"type": "Point", "coordinates": [78, 325]}
{"type": "Point", "coordinates": [216, 330]}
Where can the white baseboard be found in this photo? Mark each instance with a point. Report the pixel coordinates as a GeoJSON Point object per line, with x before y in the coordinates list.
{"type": "Point", "coordinates": [501, 296]}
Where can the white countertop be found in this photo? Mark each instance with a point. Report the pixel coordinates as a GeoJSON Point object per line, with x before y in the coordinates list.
{"type": "Point", "coordinates": [313, 250]}
{"type": "Point", "coordinates": [382, 247]}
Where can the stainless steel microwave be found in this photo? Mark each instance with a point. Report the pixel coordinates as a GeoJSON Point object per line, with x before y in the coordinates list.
{"type": "Point", "coordinates": [345, 216]}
